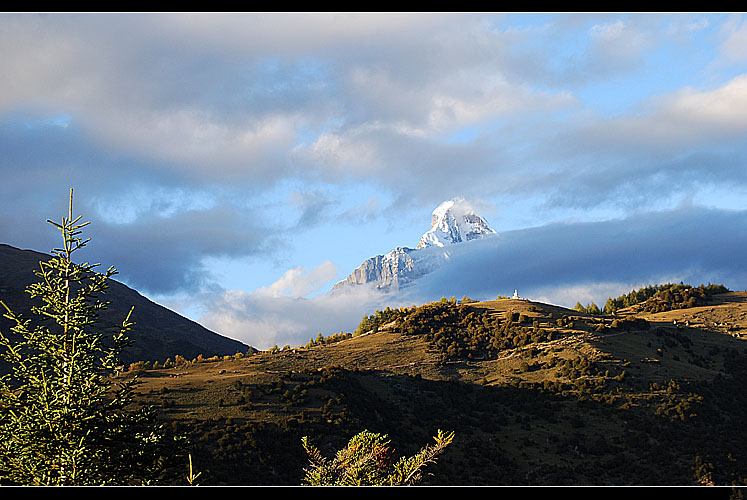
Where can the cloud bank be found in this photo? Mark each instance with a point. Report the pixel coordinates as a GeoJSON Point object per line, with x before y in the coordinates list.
{"type": "Point", "coordinates": [263, 320]}
{"type": "Point", "coordinates": [690, 244]}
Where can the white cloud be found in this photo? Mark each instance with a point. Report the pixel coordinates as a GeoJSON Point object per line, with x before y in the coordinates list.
{"type": "Point", "coordinates": [236, 91]}
{"type": "Point", "coordinates": [263, 320]}
{"type": "Point", "coordinates": [568, 295]}
{"type": "Point", "coordinates": [734, 45]}
{"type": "Point", "coordinates": [610, 31]}
{"type": "Point", "coordinates": [298, 282]}
{"type": "Point", "coordinates": [688, 25]}
{"type": "Point", "coordinates": [483, 100]}
{"type": "Point", "coordinates": [225, 99]}
{"type": "Point", "coordinates": [672, 146]}
{"type": "Point", "coordinates": [701, 111]}
{"type": "Point", "coordinates": [678, 121]}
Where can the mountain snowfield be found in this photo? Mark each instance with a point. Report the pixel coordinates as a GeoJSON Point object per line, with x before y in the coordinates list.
{"type": "Point", "coordinates": [452, 222]}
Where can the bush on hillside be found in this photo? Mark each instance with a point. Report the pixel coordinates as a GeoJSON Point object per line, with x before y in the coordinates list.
{"type": "Point", "coordinates": [367, 461]}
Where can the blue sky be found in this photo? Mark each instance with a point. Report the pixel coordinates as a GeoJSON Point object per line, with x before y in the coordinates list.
{"type": "Point", "coordinates": [235, 166]}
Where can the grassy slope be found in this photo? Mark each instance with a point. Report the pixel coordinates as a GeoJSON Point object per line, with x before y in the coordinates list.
{"type": "Point", "coordinates": [676, 415]}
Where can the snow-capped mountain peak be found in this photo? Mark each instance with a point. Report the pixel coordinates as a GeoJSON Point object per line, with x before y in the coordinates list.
{"type": "Point", "coordinates": [454, 221]}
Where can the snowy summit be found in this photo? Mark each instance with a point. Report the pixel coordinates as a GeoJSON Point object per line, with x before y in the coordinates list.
{"type": "Point", "coordinates": [454, 221]}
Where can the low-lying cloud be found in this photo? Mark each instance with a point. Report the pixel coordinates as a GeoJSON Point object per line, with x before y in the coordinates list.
{"type": "Point", "coordinates": [691, 244]}
{"type": "Point", "coordinates": [263, 320]}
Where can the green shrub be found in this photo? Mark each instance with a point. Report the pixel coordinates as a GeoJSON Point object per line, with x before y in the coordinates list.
{"type": "Point", "coordinates": [367, 461]}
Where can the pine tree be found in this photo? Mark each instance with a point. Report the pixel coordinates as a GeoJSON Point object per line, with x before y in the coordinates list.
{"type": "Point", "coordinates": [610, 306]}
{"type": "Point", "coordinates": [62, 420]}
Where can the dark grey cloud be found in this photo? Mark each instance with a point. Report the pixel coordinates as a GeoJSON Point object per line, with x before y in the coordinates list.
{"type": "Point", "coordinates": [692, 244]}
{"type": "Point", "coordinates": [160, 254]}
{"type": "Point", "coordinates": [314, 207]}
{"type": "Point", "coordinates": [145, 222]}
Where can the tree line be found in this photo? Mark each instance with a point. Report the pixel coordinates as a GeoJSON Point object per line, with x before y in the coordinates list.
{"type": "Point", "coordinates": [459, 331]}
{"type": "Point", "coordinates": [657, 298]}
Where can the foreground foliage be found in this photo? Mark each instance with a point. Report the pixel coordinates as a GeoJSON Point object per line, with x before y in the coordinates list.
{"type": "Point", "coordinates": [367, 461]}
{"type": "Point", "coordinates": [61, 420]}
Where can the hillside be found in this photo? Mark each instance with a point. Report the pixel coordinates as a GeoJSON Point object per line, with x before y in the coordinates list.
{"type": "Point", "coordinates": [158, 333]}
{"type": "Point", "coordinates": [556, 398]}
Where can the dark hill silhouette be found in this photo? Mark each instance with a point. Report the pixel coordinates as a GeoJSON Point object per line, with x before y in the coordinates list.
{"type": "Point", "coordinates": [158, 333]}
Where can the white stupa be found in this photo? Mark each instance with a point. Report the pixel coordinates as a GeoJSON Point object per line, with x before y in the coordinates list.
{"type": "Point", "coordinates": [516, 295]}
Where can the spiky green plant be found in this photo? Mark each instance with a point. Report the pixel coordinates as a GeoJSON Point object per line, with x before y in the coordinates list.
{"type": "Point", "coordinates": [63, 420]}
{"type": "Point", "coordinates": [367, 461]}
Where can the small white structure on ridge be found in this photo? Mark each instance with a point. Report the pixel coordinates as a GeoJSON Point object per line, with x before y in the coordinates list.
{"type": "Point", "coordinates": [516, 295]}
